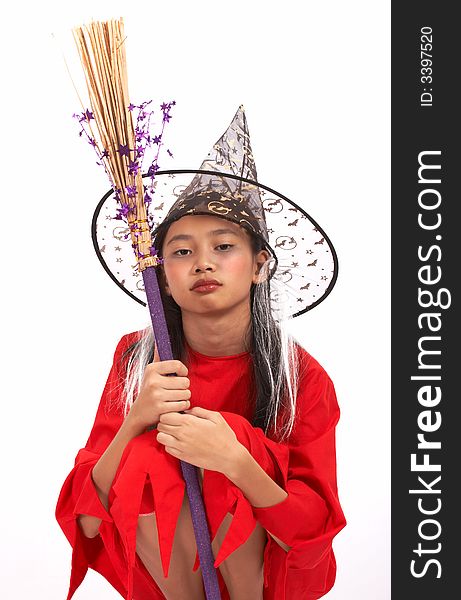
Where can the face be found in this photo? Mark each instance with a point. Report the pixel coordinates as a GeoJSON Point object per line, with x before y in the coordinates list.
{"type": "Point", "coordinates": [205, 247]}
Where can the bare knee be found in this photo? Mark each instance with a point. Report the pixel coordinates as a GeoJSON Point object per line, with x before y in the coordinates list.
{"type": "Point", "coordinates": [243, 570]}
{"type": "Point", "coordinates": [181, 582]}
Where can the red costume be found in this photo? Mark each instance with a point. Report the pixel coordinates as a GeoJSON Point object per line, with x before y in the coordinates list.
{"type": "Point", "coordinates": [149, 479]}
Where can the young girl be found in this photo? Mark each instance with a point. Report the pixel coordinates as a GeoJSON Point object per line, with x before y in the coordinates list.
{"type": "Point", "coordinates": [248, 406]}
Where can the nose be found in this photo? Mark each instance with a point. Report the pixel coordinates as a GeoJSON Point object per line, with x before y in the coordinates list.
{"type": "Point", "coordinates": [203, 262]}
{"type": "Point", "coordinates": [203, 266]}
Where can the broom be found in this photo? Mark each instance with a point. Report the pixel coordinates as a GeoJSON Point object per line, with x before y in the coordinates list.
{"type": "Point", "coordinates": [102, 53]}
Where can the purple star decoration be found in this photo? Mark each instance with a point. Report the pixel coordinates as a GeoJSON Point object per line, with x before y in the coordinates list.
{"type": "Point", "coordinates": [145, 139]}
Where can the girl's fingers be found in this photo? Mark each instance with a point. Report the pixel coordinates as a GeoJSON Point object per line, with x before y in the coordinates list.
{"type": "Point", "coordinates": [166, 367]}
{"type": "Point", "coordinates": [167, 428]}
{"type": "Point", "coordinates": [156, 355]}
{"type": "Point", "coordinates": [171, 406]}
{"type": "Point", "coordinates": [174, 395]}
{"type": "Point", "coordinates": [167, 439]}
{"type": "Point", "coordinates": [175, 383]}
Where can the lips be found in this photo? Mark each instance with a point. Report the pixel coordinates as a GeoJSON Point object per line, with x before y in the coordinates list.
{"type": "Point", "coordinates": [201, 282]}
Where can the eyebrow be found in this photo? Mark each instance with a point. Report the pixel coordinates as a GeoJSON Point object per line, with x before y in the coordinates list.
{"type": "Point", "coordinates": [185, 236]}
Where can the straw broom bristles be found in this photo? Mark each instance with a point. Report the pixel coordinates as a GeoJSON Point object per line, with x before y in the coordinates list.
{"type": "Point", "coordinates": [102, 53]}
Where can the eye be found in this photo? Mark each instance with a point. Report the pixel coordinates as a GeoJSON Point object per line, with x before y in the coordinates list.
{"type": "Point", "coordinates": [187, 250]}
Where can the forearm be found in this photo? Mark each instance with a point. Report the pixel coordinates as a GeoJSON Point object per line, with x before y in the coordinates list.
{"type": "Point", "coordinates": [256, 485]}
{"type": "Point", "coordinates": [103, 473]}
{"type": "Point", "coordinates": [104, 470]}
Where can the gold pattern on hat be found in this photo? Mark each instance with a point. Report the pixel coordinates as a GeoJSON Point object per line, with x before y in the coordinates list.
{"type": "Point", "coordinates": [244, 221]}
{"type": "Point", "coordinates": [218, 208]}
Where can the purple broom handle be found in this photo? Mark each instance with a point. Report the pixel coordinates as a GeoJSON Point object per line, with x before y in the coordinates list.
{"type": "Point", "coordinates": [189, 472]}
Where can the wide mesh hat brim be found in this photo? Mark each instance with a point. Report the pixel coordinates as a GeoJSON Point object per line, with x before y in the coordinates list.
{"type": "Point", "coordinates": [307, 263]}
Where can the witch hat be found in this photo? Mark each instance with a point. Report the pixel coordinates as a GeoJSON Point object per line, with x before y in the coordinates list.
{"type": "Point", "coordinates": [304, 264]}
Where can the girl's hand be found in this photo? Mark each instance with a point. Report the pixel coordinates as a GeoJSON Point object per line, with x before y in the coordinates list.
{"type": "Point", "coordinates": [160, 393]}
{"type": "Point", "coordinates": [200, 437]}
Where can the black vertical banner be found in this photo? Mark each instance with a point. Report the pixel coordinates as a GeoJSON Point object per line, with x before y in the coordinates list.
{"type": "Point", "coordinates": [426, 266]}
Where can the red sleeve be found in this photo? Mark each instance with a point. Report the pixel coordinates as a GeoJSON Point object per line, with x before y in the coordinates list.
{"type": "Point", "coordinates": [78, 494]}
{"type": "Point", "coordinates": [311, 515]}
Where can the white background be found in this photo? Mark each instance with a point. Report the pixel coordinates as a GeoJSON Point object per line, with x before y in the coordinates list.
{"type": "Point", "coordinates": [314, 78]}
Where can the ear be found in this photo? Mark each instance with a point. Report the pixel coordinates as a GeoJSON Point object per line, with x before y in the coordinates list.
{"type": "Point", "coordinates": [262, 257]}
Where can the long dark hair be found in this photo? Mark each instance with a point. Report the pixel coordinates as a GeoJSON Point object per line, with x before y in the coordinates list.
{"type": "Point", "coordinates": [273, 351]}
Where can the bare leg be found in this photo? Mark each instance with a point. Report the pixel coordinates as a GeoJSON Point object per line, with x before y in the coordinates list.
{"type": "Point", "coordinates": [242, 570]}
{"type": "Point", "coordinates": [182, 582]}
